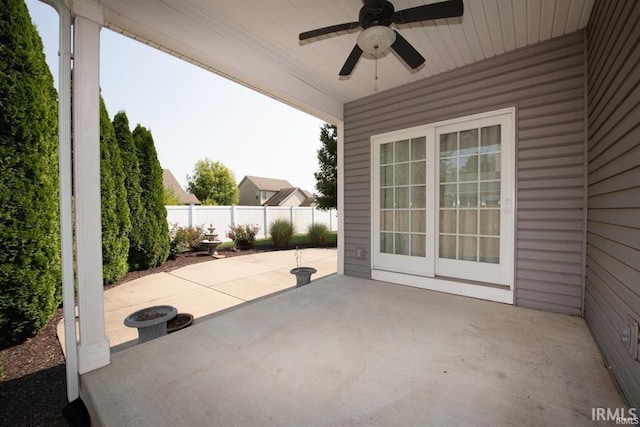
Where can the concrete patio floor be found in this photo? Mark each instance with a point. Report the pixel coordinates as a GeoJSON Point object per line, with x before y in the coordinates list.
{"type": "Point", "coordinates": [348, 351]}
{"type": "Point", "coordinates": [207, 288]}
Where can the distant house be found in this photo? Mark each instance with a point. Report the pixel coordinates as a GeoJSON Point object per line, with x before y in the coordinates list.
{"type": "Point", "coordinates": [255, 190]}
{"type": "Point", "coordinates": [310, 201]}
{"type": "Point", "coordinates": [258, 191]}
{"type": "Point", "coordinates": [287, 197]}
{"type": "Point", "coordinates": [170, 181]}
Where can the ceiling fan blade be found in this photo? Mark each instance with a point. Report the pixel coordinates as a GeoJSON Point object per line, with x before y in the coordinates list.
{"type": "Point", "coordinates": [328, 30]}
{"type": "Point", "coordinates": [445, 9]}
{"type": "Point", "coordinates": [407, 52]}
{"type": "Point", "coordinates": [351, 62]}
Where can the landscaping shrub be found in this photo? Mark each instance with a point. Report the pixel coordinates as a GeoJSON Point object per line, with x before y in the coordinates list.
{"type": "Point", "coordinates": [154, 236]}
{"type": "Point", "coordinates": [318, 234]}
{"type": "Point", "coordinates": [116, 223]}
{"type": "Point", "coordinates": [29, 214]}
{"type": "Point", "coordinates": [184, 239]}
{"type": "Point", "coordinates": [281, 233]}
{"type": "Point", "coordinates": [139, 257]}
{"type": "Point", "coordinates": [243, 234]}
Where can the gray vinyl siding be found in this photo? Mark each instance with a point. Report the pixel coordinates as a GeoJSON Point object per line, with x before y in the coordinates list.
{"type": "Point", "coordinates": [613, 237]}
{"type": "Point", "coordinates": [546, 84]}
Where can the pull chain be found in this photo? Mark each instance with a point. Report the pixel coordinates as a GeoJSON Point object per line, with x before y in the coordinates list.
{"type": "Point", "coordinates": [375, 81]}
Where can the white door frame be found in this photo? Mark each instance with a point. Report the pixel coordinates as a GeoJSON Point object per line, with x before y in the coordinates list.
{"type": "Point", "coordinates": [428, 278]}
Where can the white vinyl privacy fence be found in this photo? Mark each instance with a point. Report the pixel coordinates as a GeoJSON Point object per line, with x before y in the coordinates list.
{"type": "Point", "coordinates": [221, 217]}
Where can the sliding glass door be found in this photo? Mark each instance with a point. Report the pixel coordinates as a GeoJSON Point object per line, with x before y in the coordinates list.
{"type": "Point", "coordinates": [442, 197]}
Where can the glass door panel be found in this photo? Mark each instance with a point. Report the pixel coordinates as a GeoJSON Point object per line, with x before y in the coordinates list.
{"type": "Point", "coordinates": [470, 194]}
{"type": "Point", "coordinates": [403, 201]}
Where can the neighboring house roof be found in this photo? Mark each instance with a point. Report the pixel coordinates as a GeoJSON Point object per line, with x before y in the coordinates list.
{"type": "Point", "coordinates": [170, 181]}
{"type": "Point", "coordinates": [267, 184]}
{"type": "Point", "coordinates": [282, 195]}
{"type": "Point", "coordinates": [309, 201]}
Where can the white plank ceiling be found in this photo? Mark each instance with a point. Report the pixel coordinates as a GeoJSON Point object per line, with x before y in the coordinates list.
{"type": "Point", "coordinates": [255, 42]}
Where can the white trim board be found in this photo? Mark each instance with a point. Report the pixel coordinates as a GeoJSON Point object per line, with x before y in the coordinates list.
{"type": "Point", "coordinates": [489, 293]}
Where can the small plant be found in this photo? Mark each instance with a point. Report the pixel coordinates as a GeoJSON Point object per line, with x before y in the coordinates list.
{"type": "Point", "coordinates": [184, 239]}
{"type": "Point", "coordinates": [241, 234]}
{"type": "Point", "coordinates": [281, 233]}
{"type": "Point", "coordinates": [318, 234]}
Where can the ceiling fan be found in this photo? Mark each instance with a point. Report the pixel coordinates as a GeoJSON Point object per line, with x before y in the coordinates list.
{"type": "Point", "coordinates": [375, 18]}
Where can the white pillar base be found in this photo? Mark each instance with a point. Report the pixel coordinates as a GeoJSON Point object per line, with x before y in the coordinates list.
{"type": "Point", "coordinates": [93, 356]}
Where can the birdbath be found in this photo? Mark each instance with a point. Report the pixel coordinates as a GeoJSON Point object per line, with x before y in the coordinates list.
{"type": "Point", "coordinates": [303, 275]}
{"type": "Point", "coordinates": [211, 242]}
{"type": "Point", "coordinates": [151, 321]}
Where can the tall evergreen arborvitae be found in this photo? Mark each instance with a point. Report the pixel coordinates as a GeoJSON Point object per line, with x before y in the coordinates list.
{"type": "Point", "coordinates": [29, 207]}
{"type": "Point", "coordinates": [156, 229]}
{"type": "Point", "coordinates": [115, 209]}
{"type": "Point", "coordinates": [139, 256]}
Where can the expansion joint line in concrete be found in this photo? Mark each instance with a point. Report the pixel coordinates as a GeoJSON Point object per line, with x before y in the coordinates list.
{"type": "Point", "coordinates": [204, 286]}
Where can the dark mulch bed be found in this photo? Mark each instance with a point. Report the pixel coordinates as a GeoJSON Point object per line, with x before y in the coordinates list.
{"type": "Point", "coordinates": [33, 390]}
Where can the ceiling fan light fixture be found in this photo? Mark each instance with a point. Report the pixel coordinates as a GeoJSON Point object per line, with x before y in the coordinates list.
{"type": "Point", "coordinates": [376, 39]}
{"type": "Point", "coordinates": [375, 17]}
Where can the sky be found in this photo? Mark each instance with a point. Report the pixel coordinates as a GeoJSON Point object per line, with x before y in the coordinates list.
{"type": "Point", "coordinates": [194, 114]}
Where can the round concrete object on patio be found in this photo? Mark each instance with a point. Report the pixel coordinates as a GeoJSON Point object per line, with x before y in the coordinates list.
{"type": "Point", "coordinates": [151, 322]}
{"type": "Point", "coordinates": [303, 275]}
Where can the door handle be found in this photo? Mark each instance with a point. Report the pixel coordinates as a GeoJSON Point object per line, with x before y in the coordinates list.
{"type": "Point", "coordinates": [506, 206]}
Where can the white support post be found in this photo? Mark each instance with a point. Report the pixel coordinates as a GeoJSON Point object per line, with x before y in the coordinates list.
{"type": "Point", "coordinates": [66, 202]}
{"type": "Point", "coordinates": [340, 167]}
{"type": "Point", "coordinates": [191, 209]}
{"type": "Point", "coordinates": [93, 350]}
{"type": "Point", "coordinates": [266, 219]}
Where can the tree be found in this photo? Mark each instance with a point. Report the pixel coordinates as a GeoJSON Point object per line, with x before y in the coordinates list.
{"type": "Point", "coordinates": [116, 223]}
{"type": "Point", "coordinates": [327, 176]}
{"type": "Point", "coordinates": [155, 230]}
{"type": "Point", "coordinates": [30, 274]}
{"type": "Point", "coordinates": [170, 198]}
{"type": "Point", "coordinates": [138, 257]}
{"type": "Point", "coordinates": [213, 183]}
